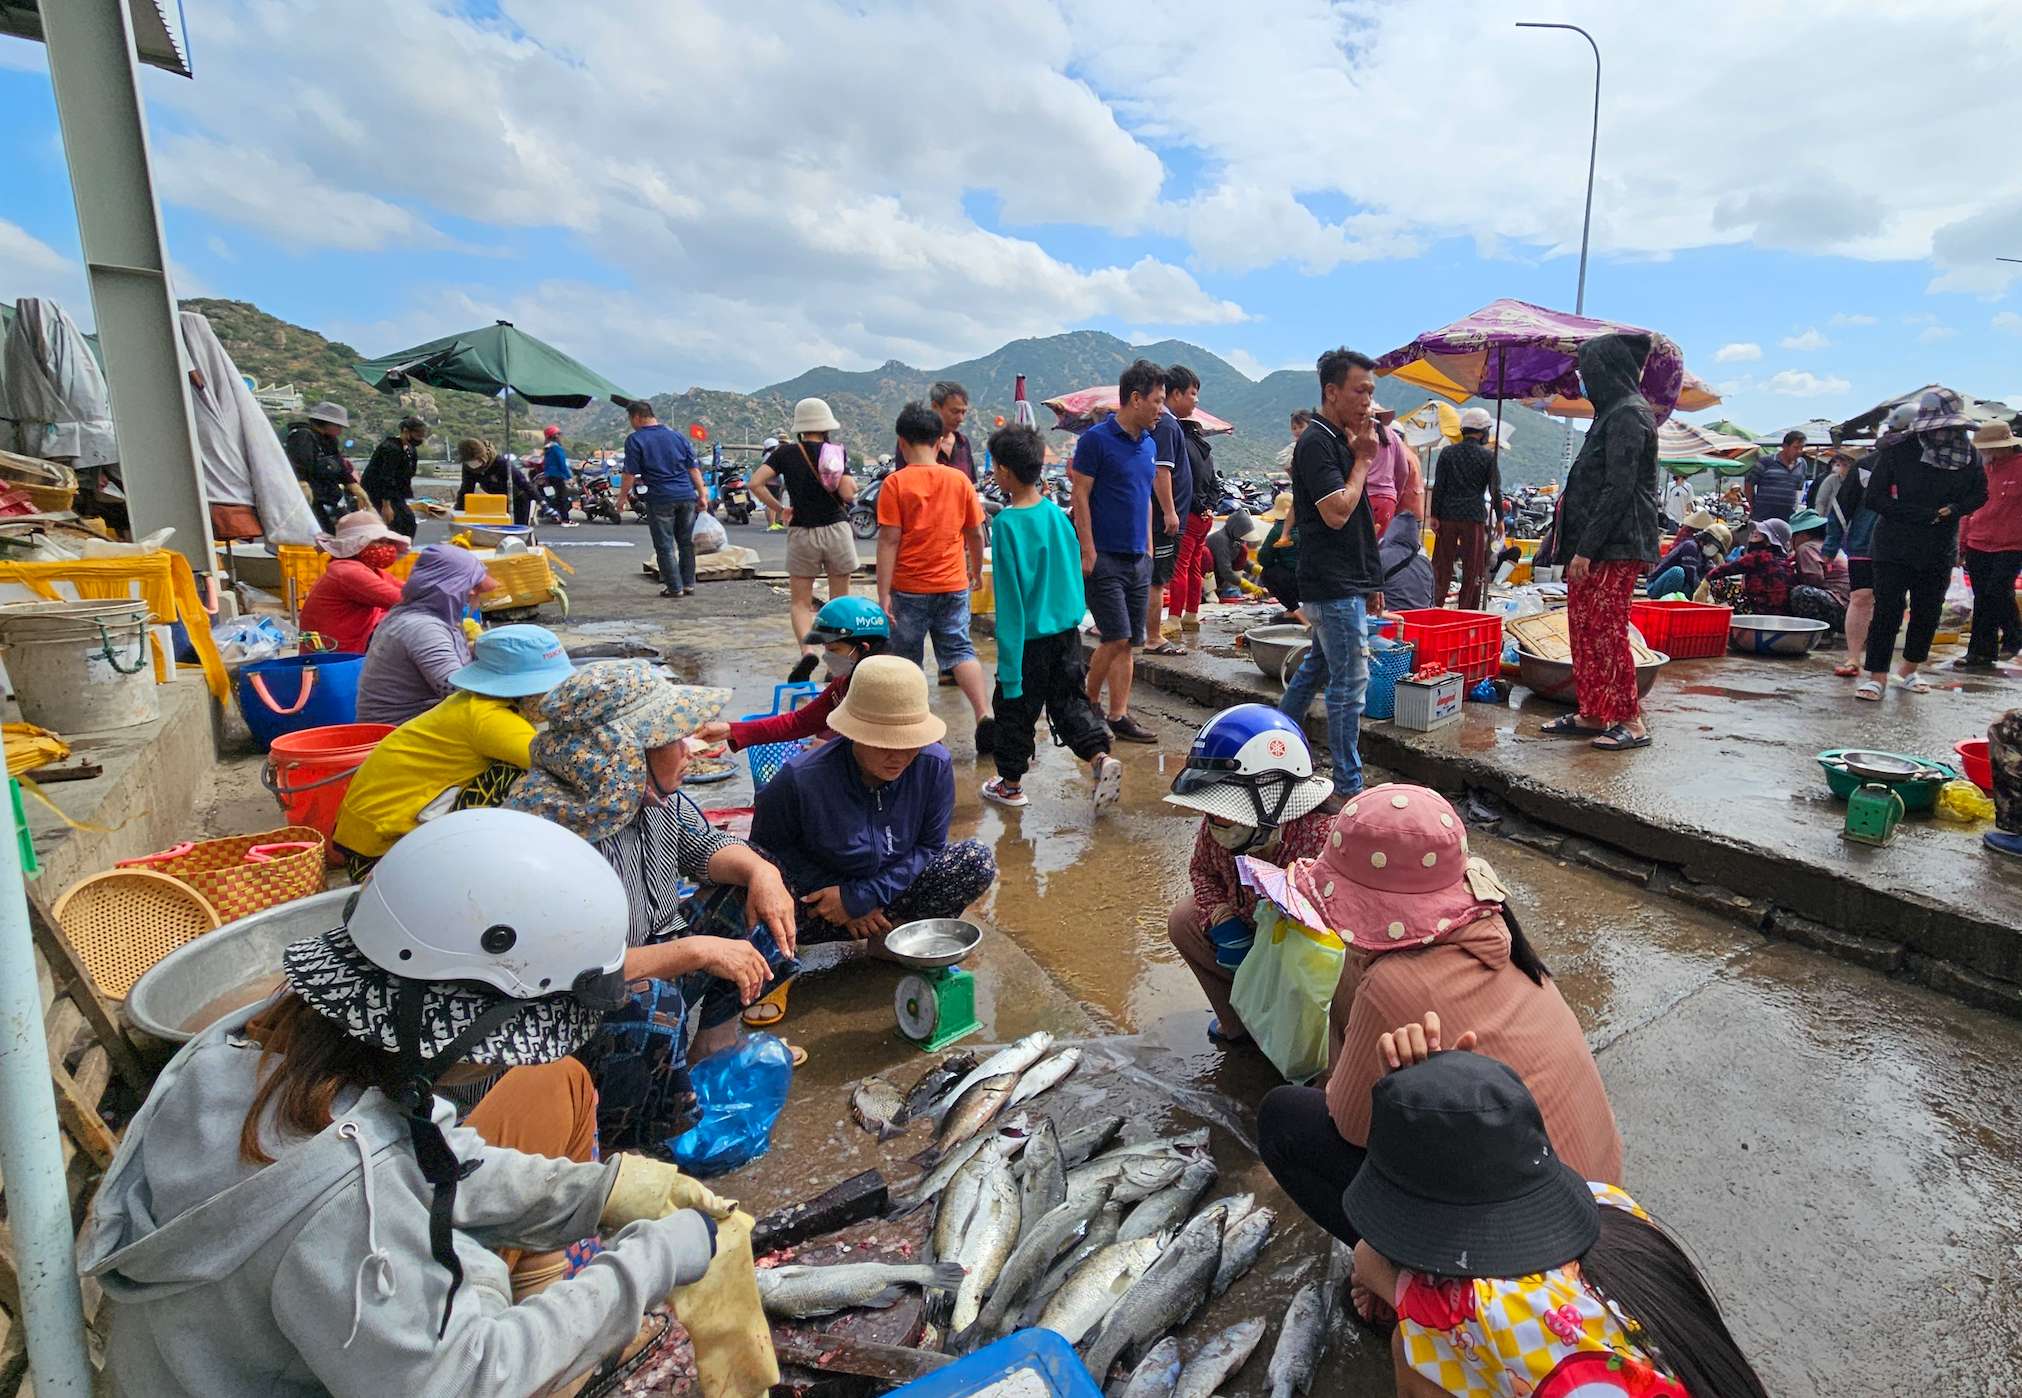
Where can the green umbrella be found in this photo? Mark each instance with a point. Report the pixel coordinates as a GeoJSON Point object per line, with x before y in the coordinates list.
{"type": "Point", "coordinates": [1693, 465]}
{"type": "Point", "coordinates": [498, 359]}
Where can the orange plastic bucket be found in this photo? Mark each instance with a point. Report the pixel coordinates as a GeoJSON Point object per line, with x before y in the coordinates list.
{"type": "Point", "coordinates": [310, 771]}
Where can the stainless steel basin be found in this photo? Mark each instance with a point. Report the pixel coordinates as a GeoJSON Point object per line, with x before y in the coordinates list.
{"type": "Point", "coordinates": [1553, 679]}
{"type": "Point", "coordinates": [1269, 645]}
{"type": "Point", "coordinates": [205, 972]}
{"type": "Point", "coordinates": [1774, 635]}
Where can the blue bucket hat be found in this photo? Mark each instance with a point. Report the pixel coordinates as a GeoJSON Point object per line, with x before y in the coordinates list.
{"type": "Point", "coordinates": [514, 662]}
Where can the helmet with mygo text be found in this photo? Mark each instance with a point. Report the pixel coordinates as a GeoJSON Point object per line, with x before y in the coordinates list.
{"type": "Point", "coordinates": [849, 619]}
{"type": "Point", "coordinates": [1249, 764]}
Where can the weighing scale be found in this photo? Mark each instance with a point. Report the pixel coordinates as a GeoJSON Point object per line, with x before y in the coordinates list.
{"type": "Point", "coordinates": [936, 1001]}
{"type": "Point", "coordinates": [1873, 813]}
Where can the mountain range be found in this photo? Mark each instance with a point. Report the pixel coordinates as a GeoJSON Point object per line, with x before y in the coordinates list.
{"type": "Point", "coordinates": [866, 402]}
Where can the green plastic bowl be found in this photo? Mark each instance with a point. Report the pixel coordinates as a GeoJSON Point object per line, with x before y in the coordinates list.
{"type": "Point", "coordinates": [1919, 794]}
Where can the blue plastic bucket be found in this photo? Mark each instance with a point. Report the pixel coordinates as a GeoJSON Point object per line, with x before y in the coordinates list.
{"type": "Point", "coordinates": [1387, 665]}
{"type": "Point", "coordinates": [293, 692]}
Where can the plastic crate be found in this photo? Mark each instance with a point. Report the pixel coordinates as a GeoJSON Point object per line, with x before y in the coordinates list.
{"type": "Point", "coordinates": [1029, 1361]}
{"type": "Point", "coordinates": [1470, 642]}
{"type": "Point", "coordinates": [1386, 667]}
{"type": "Point", "coordinates": [1682, 630]}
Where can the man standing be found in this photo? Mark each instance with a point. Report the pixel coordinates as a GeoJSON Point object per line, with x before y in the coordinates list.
{"type": "Point", "coordinates": [1112, 516]}
{"type": "Point", "coordinates": [1467, 469]}
{"type": "Point", "coordinates": [1340, 576]}
{"type": "Point", "coordinates": [555, 470]}
{"type": "Point", "coordinates": [1172, 491]}
{"type": "Point", "coordinates": [389, 475]}
{"type": "Point", "coordinates": [315, 449]}
{"type": "Point", "coordinates": [663, 459]}
{"type": "Point", "coordinates": [950, 402]}
{"type": "Point", "coordinates": [1775, 485]}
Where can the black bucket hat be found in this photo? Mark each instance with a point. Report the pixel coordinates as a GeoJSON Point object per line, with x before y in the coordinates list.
{"type": "Point", "coordinates": [1461, 1179]}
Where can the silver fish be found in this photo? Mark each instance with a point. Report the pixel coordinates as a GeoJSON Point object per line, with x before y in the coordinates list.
{"type": "Point", "coordinates": [958, 1202]}
{"type": "Point", "coordinates": [1012, 1058]}
{"type": "Point", "coordinates": [1083, 1141]}
{"type": "Point", "coordinates": [1340, 1268]}
{"type": "Point", "coordinates": [933, 1083]}
{"type": "Point", "coordinates": [1156, 1373]}
{"type": "Point", "coordinates": [1238, 1205]}
{"type": "Point", "coordinates": [1170, 1290]}
{"type": "Point", "coordinates": [992, 1231]}
{"type": "Point", "coordinates": [1301, 1342]}
{"type": "Point", "coordinates": [936, 1179]}
{"type": "Point", "coordinates": [1219, 1359]}
{"type": "Point", "coordinates": [971, 1115]}
{"type": "Point", "coordinates": [1241, 1246]}
{"type": "Point", "coordinates": [1043, 1185]}
{"type": "Point", "coordinates": [1040, 1242]}
{"type": "Point", "coordinates": [878, 1108]}
{"type": "Point", "coordinates": [1096, 1286]}
{"type": "Point", "coordinates": [1170, 1205]}
{"type": "Point", "coordinates": [1191, 1141]}
{"type": "Point", "coordinates": [1043, 1075]}
{"type": "Point", "coordinates": [1102, 1230]}
{"type": "Point", "coordinates": [1135, 1176]}
{"type": "Point", "coordinates": [796, 1292]}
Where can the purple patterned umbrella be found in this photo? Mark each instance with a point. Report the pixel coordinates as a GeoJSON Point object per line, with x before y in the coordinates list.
{"type": "Point", "coordinates": [1512, 349]}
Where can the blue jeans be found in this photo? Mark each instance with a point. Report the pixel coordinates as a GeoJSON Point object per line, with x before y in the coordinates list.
{"type": "Point", "coordinates": [672, 525]}
{"type": "Point", "coordinates": [942, 615]}
{"type": "Point", "coordinates": [1339, 663]}
{"type": "Point", "coordinates": [1663, 584]}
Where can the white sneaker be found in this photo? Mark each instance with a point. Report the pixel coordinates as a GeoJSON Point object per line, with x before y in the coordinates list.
{"type": "Point", "coordinates": [1108, 782]}
{"type": "Point", "coordinates": [994, 792]}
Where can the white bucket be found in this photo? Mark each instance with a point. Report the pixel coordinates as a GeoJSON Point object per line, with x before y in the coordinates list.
{"type": "Point", "coordinates": [80, 667]}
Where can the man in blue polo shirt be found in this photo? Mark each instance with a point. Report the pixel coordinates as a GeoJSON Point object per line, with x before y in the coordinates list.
{"type": "Point", "coordinates": [1112, 515]}
{"type": "Point", "coordinates": [663, 459]}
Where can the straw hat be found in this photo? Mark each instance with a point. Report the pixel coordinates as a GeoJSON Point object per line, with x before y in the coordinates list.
{"type": "Point", "coordinates": [1699, 519]}
{"type": "Point", "coordinates": [1997, 436]}
{"type": "Point", "coordinates": [356, 531]}
{"type": "Point", "coordinates": [886, 706]}
{"type": "Point", "coordinates": [1722, 533]}
{"type": "Point", "coordinates": [813, 415]}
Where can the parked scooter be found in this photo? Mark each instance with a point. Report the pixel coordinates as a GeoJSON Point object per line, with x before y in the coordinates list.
{"type": "Point", "coordinates": [733, 496]}
{"type": "Point", "coordinates": [864, 509]}
{"type": "Point", "coordinates": [600, 499]}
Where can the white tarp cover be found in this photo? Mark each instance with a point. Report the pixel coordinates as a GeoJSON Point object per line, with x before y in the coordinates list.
{"type": "Point", "coordinates": [243, 462]}
{"type": "Point", "coordinates": [55, 390]}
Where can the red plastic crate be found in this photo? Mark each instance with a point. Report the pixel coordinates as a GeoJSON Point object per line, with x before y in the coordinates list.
{"type": "Point", "coordinates": [1470, 642]}
{"type": "Point", "coordinates": [1682, 630]}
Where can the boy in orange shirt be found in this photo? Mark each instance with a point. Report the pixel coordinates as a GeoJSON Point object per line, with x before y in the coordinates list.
{"type": "Point", "coordinates": [930, 557]}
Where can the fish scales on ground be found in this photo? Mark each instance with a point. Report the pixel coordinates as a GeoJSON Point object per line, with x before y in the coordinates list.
{"type": "Point", "coordinates": [1085, 1140]}
{"type": "Point", "coordinates": [987, 1242]}
{"type": "Point", "coordinates": [1046, 1073]}
{"type": "Point", "coordinates": [1302, 1340]}
{"type": "Point", "coordinates": [1039, 1243]}
{"type": "Point", "coordinates": [933, 1083]}
{"type": "Point", "coordinates": [1102, 1231]}
{"type": "Point", "coordinates": [798, 1292]}
{"type": "Point", "coordinates": [878, 1108]}
{"type": "Point", "coordinates": [1096, 1286]}
{"type": "Point", "coordinates": [1156, 1373]}
{"type": "Point", "coordinates": [974, 1112]}
{"type": "Point", "coordinates": [1170, 1206]}
{"type": "Point", "coordinates": [1241, 1247]}
{"type": "Point", "coordinates": [936, 1179]}
{"type": "Point", "coordinates": [1170, 1290]}
{"type": "Point", "coordinates": [1012, 1058]}
{"type": "Point", "coordinates": [958, 1201]}
{"type": "Point", "coordinates": [1043, 1185]}
{"type": "Point", "coordinates": [1220, 1358]}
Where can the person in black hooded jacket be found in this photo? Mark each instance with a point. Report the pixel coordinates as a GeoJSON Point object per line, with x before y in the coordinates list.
{"type": "Point", "coordinates": [1607, 535]}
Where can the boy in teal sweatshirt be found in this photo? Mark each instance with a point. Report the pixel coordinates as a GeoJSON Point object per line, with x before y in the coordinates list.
{"type": "Point", "coordinates": [1036, 566]}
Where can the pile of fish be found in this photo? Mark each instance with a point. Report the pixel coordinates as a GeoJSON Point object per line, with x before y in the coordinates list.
{"type": "Point", "coordinates": [1071, 1231]}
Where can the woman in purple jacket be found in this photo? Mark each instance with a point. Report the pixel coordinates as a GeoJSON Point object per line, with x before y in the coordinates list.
{"type": "Point", "coordinates": [859, 826]}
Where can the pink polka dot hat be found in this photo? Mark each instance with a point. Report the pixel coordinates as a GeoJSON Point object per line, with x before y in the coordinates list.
{"type": "Point", "coordinates": [1396, 873]}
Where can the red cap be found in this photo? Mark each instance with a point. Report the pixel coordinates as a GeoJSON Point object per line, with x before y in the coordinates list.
{"type": "Point", "coordinates": [551, 431]}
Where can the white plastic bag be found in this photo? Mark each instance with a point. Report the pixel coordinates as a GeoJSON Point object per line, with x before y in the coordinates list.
{"type": "Point", "coordinates": [709, 534]}
{"type": "Point", "coordinates": [249, 638]}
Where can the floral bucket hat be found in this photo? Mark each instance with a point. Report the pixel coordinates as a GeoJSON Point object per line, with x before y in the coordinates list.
{"type": "Point", "coordinates": [1396, 873]}
{"type": "Point", "coordinates": [589, 772]}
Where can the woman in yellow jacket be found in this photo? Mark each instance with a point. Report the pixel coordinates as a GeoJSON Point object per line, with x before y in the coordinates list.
{"type": "Point", "coordinates": [466, 751]}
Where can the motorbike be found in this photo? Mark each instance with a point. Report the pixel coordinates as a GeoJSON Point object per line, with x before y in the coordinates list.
{"type": "Point", "coordinates": [863, 515]}
{"type": "Point", "coordinates": [733, 496]}
{"type": "Point", "coordinates": [554, 503]}
{"type": "Point", "coordinates": [600, 499]}
{"type": "Point", "coordinates": [637, 504]}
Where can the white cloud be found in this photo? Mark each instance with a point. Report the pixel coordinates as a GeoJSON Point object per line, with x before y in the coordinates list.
{"type": "Point", "coordinates": [1740, 352]}
{"type": "Point", "coordinates": [1800, 383]}
{"type": "Point", "coordinates": [1855, 318]}
{"type": "Point", "coordinates": [30, 267]}
{"type": "Point", "coordinates": [282, 198]}
{"type": "Point", "coordinates": [1931, 334]}
{"type": "Point", "coordinates": [2007, 321]}
{"type": "Point", "coordinates": [220, 249]}
{"type": "Point", "coordinates": [1809, 339]}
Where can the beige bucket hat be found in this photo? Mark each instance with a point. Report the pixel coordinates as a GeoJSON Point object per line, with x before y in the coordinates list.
{"type": "Point", "coordinates": [813, 415]}
{"type": "Point", "coordinates": [886, 706]}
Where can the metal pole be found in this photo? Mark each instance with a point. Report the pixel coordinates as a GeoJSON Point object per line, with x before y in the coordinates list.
{"type": "Point", "coordinates": [505, 354]}
{"type": "Point", "coordinates": [1593, 150]}
{"type": "Point", "coordinates": [31, 1152]}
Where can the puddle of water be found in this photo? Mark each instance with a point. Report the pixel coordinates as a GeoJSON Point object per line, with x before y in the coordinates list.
{"type": "Point", "coordinates": [1715, 691]}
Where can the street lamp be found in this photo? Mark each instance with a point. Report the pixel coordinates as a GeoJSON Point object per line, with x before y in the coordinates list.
{"type": "Point", "coordinates": [1593, 148]}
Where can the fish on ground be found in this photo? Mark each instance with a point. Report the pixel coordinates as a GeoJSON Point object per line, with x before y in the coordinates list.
{"type": "Point", "coordinates": [1302, 1340]}
{"type": "Point", "coordinates": [938, 1078]}
{"type": "Point", "coordinates": [1156, 1373]}
{"type": "Point", "coordinates": [1045, 1074]}
{"type": "Point", "coordinates": [1043, 1185]}
{"type": "Point", "coordinates": [1220, 1359]}
{"type": "Point", "coordinates": [936, 1179]}
{"type": "Point", "coordinates": [1012, 1058]}
{"type": "Point", "coordinates": [1096, 1286]}
{"type": "Point", "coordinates": [1238, 1205]}
{"type": "Point", "coordinates": [1039, 1243]}
{"type": "Point", "coordinates": [878, 1108]}
{"type": "Point", "coordinates": [797, 1292]}
{"type": "Point", "coordinates": [1134, 1176]}
{"type": "Point", "coordinates": [1102, 1230]}
{"type": "Point", "coordinates": [1085, 1140]}
{"type": "Point", "coordinates": [971, 1114]}
{"type": "Point", "coordinates": [1191, 1142]}
{"type": "Point", "coordinates": [1340, 1269]}
{"type": "Point", "coordinates": [958, 1201]}
{"type": "Point", "coordinates": [1241, 1247]}
{"type": "Point", "coordinates": [1169, 1207]}
{"type": "Point", "coordinates": [1170, 1290]}
{"type": "Point", "coordinates": [987, 1241]}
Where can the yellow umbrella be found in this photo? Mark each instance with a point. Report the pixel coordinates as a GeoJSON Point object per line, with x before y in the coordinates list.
{"type": "Point", "coordinates": [1423, 373]}
{"type": "Point", "coordinates": [1433, 422]}
{"type": "Point", "coordinates": [1695, 396]}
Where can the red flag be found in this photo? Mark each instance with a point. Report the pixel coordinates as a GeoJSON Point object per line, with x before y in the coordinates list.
{"type": "Point", "coordinates": [698, 431]}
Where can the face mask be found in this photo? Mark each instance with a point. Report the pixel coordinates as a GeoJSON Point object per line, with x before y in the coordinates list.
{"type": "Point", "coordinates": [838, 666]}
{"type": "Point", "coordinates": [1233, 838]}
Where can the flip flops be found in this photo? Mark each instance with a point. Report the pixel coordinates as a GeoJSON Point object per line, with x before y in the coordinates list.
{"type": "Point", "coordinates": [763, 1014]}
{"type": "Point", "coordinates": [1915, 684]}
{"type": "Point", "coordinates": [1846, 671]}
{"type": "Point", "coordinates": [1166, 648]}
{"type": "Point", "coordinates": [1617, 737]}
{"type": "Point", "coordinates": [1569, 726]}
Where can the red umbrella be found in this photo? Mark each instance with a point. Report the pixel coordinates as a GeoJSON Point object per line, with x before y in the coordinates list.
{"type": "Point", "coordinates": [1077, 412]}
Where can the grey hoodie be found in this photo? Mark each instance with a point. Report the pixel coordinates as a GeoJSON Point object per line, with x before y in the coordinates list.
{"type": "Point", "coordinates": [1407, 572]}
{"type": "Point", "coordinates": [312, 1275]}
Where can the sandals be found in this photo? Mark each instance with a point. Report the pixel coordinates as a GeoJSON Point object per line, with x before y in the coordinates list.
{"type": "Point", "coordinates": [1846, 671]}
{"type": "Point", "coordinates": [763, 1014]}
{"type": "Point", "coordinates": [999, 792]}
{"type": "Point", "coordinates": [1569, 726]}
{"type": "Point", "coordinates": [1618, 738]}
{"type": "Point", "coordinates": [1870, 690]}
{"type": "Point", "coordinates": [1915, 684]}
{"type": "Point", "coordinates": [1166, 648]}
{"type": "Point", "coordinates": [1108, 782]}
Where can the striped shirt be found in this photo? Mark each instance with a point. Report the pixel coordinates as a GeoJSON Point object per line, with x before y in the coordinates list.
{"type": "Point", "coordinates": [662, 845]}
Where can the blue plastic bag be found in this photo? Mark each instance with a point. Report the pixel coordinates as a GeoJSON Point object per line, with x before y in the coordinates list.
{"type": "Point", "coordinates": [1231, 939]}
{"type": "Point", "coordinates": [739, 1093]}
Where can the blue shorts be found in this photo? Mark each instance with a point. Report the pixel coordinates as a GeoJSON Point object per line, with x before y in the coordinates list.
{"type": "Point", "coordinates": [1118, 590]}
{"type": "Point", "coordinates": [942, 615]}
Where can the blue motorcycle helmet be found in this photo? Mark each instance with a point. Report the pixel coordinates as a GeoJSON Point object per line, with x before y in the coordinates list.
{"type": "Point", "coordinates": [1250, 765]}
{"type": "Point", "coordinates": [849, 619]}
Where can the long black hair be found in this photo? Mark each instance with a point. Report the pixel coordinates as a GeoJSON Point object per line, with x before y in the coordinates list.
{"type": "Point", "coordinates": [1521, 953]}
{"type": "Point", "coordinates": [1642, 1271]}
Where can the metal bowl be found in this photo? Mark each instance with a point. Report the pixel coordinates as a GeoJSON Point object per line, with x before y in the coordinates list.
{"type": "Point", "coordinates": [203, 973]}
{"type": "Point", "coordinates": [1881, 766]}
{"type": "Point", "coordinates": [1774, 635]}
{"type": "Point", "coordinates": [933, 941]}
{"type": "Point", "coordinates": [1294, 658]}
{"type": "Point", "coordinates": [1269, 645]}
{"type": "Point", "coordinates": [1553, 679]}
{"type": "Point", "coordinates": [613, 650]}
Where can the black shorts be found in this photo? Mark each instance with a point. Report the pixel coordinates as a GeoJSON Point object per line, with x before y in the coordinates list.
{"type": "Point", "coordinates": [1164, 557]}
{"type": "Point", "coordinates": [1860, 574]}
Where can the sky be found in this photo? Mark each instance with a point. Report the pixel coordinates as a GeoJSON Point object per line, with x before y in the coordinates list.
{"type": "Point", "coordinates": [727, 192]}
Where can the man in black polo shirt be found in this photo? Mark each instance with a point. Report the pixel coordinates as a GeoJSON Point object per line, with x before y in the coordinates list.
{"type": "Point", "coordinates": [1340, 575]}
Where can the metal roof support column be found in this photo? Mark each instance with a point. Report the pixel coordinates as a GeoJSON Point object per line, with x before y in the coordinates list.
{"type": "Point", "coordinates": [95, 73]}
